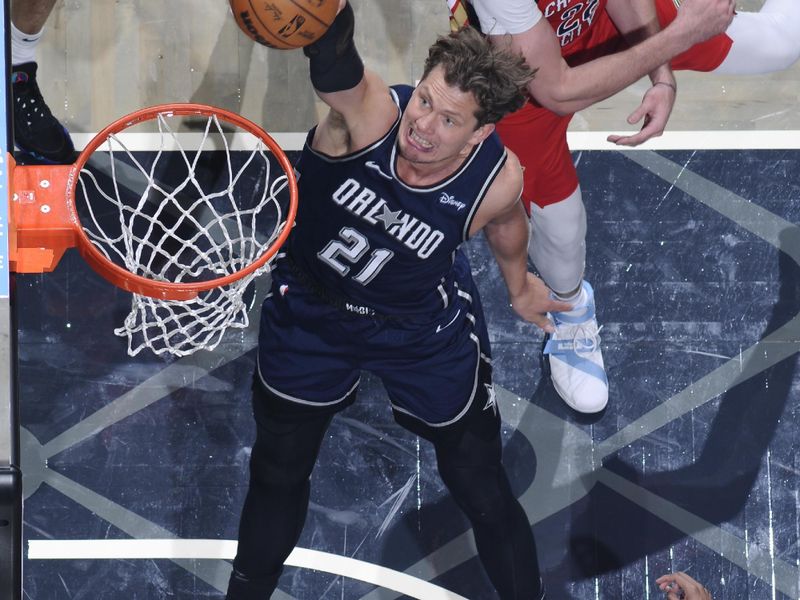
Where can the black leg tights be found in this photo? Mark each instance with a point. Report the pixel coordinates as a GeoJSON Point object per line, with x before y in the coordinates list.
{"type": "Point", "coordinates": [471, 469]}
{"type": "Point", "coordinates": [276, 504]}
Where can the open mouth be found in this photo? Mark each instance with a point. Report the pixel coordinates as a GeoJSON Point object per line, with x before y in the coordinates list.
{"type": "Point", "coordinates": [417, 141]}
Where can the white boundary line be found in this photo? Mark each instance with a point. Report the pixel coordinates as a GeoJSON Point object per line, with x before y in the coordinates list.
{"type": "Point", "coordinates": [578, 140]}
{"type": "Point", "coordinates": [200, 549]}
{"type": "Point", "coordinates": [143, 142]}
{"type": "Point", "coordinates": [693, 140]}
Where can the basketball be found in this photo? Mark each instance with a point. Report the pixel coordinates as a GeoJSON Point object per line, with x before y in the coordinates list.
{"type": "Point", "coordinates": [284, 23]}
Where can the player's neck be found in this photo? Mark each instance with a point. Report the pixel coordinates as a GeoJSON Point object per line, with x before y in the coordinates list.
{"type": "Point", "coordinates": [421, 174]}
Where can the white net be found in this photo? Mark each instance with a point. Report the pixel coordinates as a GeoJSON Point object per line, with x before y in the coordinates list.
{"type": "Point", "coordinates": [205, 204]}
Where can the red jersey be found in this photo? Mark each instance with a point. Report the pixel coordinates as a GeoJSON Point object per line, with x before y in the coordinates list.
{"type": "Point", "coordinates": [585, 31]}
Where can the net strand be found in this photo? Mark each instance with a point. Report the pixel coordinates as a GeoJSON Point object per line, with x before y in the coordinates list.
{"type": "Point", "coordinates": [185, 232]}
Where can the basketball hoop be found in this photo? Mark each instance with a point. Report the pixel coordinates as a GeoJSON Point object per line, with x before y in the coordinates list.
{"type": "Point", "coordinates": [185, 227]}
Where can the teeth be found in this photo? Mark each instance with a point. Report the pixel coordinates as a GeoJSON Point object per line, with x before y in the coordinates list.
{"type": "Point", "coordinates": [420, 141]}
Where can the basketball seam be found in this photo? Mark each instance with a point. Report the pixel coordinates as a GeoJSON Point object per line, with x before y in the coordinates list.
{"type": "Point", "coordinates": [310, 14]}
{"type": "Point", "coordinates": [266, 29]}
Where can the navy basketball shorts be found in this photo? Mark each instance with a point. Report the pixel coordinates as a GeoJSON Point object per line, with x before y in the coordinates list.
{"type": "Point", "coordinates": [435, 369]}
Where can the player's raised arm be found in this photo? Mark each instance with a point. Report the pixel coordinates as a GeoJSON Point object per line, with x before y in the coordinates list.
{"type": "Point", "coordinates": [362, 109]}
{"type": "Point", "coordinates": [564, 89]}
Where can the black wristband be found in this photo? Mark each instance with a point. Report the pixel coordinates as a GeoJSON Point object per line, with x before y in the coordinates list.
{"type": "Point", "coordinates": [334, 60]}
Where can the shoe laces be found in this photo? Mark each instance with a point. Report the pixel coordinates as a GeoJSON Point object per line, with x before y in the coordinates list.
{"type": "Point", "coordinates": [585, 337]}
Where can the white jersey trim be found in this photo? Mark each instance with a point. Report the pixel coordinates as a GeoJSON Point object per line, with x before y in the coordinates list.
{"type": "Point", "coordinates": [300, 400]}
{"type": "Point", "coordinates": [436, 186]}
{"type": "Point", "coordinates": [482, 194]}
{"type": "Point", "coordinates": [476, 379]}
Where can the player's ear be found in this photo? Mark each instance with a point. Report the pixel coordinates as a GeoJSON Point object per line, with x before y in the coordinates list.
{"type": "Point", "coordinates": [481, 133]}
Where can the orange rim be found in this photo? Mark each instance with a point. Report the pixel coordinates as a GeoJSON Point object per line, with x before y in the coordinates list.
{"type": "Point", "coordinates": [165, 290]}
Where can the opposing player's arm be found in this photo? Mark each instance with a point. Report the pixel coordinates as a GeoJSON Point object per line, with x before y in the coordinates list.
{"type": "Point", "coordinates": [505, 224]}
{"type": "Point", "coordinates": [637, 20]}
{"type": "Point", "coordinates": [564, 89]}
{"type": "Point", "coordinates": [362, 109]}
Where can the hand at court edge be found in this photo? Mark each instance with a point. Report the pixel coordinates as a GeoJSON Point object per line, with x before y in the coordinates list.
{"type": "Point", "coordinates": [535, 301]}
{"type": "Point", "coordinates": [655, 108]}
{"type": "Point", "coordinates": [679, 586]}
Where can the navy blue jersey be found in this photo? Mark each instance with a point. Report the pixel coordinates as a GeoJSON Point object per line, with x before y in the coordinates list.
{"type": "Point", "coordinates": [374, 241]}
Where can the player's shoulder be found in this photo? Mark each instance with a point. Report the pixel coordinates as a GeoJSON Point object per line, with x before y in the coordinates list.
{"type": "Point", "coordinates": [510, 176]}
{"type": "Point", "coordinates": [506, 188]}
{"type": "Point", "coordinates": [504, 191]}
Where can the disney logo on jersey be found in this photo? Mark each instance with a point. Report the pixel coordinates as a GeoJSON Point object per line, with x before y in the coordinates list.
{"type": "Point", "coordinates": [570, 19]}
{"type": "Point", "coordinates": [449, 200]}
{"type": "Point", "coordinates": [361, 201]}
{"type": "Point", "coordinates": [371, 164]}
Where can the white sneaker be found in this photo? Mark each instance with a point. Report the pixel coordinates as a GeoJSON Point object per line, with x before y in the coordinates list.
{"type": "Point", "coordinates": [576, 361]}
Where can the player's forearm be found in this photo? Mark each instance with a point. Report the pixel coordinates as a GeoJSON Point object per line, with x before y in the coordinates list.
{"type": "Point", "coordinates": [336, 69]}
{"type": "Point", "coordinates": [592, 82]}
{"type": "Point", "coordinates": [565, 89]}
{"type": "Point", "coordinates": [637, 20]}
{"type": "Point", "coordinates": [508, 241]}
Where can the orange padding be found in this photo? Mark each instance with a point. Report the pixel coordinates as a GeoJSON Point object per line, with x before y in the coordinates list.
{"type": "Point", "coordinates": [40, 225]}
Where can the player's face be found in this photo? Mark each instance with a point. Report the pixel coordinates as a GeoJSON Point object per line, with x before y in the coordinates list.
{"type": "Point", "coordinates": [439, 123]}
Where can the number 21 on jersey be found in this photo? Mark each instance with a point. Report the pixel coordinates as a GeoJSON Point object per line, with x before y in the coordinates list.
{"type": "Point", "coordinates": [351, 248]}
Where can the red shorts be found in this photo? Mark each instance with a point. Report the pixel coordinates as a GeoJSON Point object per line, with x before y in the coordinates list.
{"type": "Point", "coordinates": [539, 137]}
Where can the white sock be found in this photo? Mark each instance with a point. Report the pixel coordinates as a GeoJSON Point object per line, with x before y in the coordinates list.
{"type": "Point", "coordinates": [577, 299]}
{"type": "Point", "coordinates": [23, 45]}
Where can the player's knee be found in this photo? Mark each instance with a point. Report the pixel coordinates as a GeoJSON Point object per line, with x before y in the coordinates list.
{"type": "Point", "coordinates": [269, 469]}
{"type": "Point", "coordinates": [284, 454]}
{"type": "Point", "coordinates": [480, 492]}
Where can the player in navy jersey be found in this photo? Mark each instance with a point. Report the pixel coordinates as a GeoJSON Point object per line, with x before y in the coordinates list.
{"type": "Point", "coordinates": [392, 181]}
